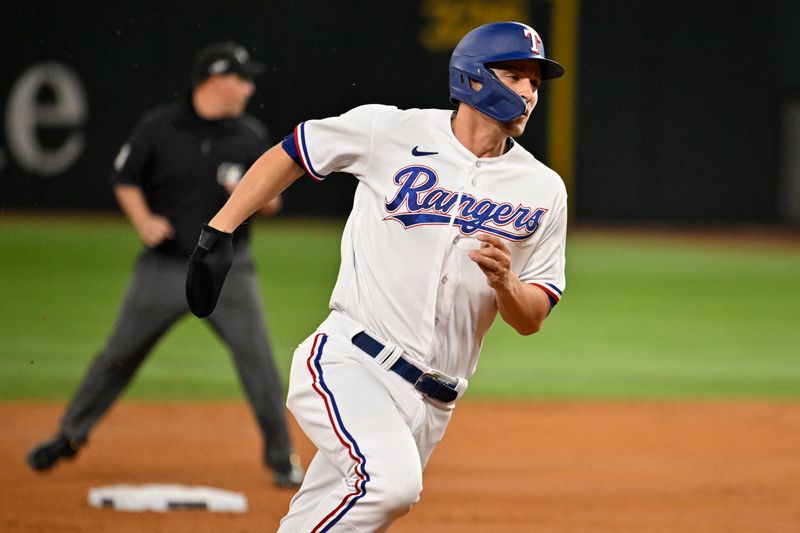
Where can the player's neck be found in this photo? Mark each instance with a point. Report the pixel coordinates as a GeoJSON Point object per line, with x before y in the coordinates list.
{"type": "Point", "coordinates": [478, 133]}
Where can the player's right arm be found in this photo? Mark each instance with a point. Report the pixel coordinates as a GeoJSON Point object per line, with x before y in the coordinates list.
{"type": "Point", "coordinates": [273, 172]}
{"type": "Point", "coordinates": [338, 147]}
{"type": "Point", "coordinates": [269, 176]}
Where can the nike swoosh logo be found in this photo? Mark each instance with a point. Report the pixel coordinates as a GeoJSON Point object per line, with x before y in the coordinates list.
{"type": "Point", "coordinates": [417, 153]}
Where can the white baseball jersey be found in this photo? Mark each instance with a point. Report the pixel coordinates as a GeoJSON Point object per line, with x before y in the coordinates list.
{"type": "Point", "coordinates": [422, 197]}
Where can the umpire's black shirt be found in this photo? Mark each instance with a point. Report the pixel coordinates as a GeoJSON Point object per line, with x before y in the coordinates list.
{"type": "Point", "coordinates": [181, 161]}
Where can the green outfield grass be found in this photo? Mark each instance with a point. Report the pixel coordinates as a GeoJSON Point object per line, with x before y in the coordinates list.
{"type": "Point", "coordinates": [641, 317]}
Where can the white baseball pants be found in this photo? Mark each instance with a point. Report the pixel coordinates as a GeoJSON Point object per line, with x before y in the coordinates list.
{"type": "Point", "coordinates": [374, 434]}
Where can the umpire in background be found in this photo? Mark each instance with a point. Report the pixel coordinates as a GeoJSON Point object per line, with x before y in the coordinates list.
{"type": "Point", "coordinates": [175, 171]}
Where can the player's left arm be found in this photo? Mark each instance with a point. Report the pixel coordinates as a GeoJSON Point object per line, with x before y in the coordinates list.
{"type": "Point", "coordinates": [522, 305]}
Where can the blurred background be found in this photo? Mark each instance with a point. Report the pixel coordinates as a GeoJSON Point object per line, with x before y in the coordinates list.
{"type": "Point", "coordinates": [670, 112]}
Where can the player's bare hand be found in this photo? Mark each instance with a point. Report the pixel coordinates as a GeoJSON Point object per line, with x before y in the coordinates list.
{"type": "Point", "coordinates": [154, 229]}
{"type": "Point", "coordinates": [493, 258]}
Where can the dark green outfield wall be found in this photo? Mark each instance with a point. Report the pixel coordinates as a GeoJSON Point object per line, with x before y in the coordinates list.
{"type": "Point", "coordinates": [679, 108]}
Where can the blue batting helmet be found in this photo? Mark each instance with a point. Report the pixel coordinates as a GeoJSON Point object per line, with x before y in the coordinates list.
{"type": "Point", "coordinates": [490, 43]}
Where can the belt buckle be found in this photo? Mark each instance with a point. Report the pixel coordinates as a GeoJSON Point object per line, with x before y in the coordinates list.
{"type": "Point", "coordinates": [440, 385]}
{"type": "Point", "coordinates": [431, 374]}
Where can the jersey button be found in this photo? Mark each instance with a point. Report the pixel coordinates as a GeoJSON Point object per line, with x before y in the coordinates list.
{"type": "Point", "coordinates": [444, 280]}
{"type": "Point", "coordinates": [455, 239]}
{"type": "Point", "coordinates": [478, 164]}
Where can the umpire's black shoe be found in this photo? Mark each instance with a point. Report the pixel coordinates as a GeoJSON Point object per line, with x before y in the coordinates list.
{"type": "Point", "coordinates": [289, 474]}
{"type": "Point", "coordinates": [43, 456]}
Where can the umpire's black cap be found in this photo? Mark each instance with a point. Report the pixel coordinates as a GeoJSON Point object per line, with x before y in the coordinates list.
{"type": "Point", "coordinates": [224, 58]}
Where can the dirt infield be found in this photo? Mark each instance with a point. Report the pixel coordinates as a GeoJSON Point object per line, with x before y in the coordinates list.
{"type": "Point", "coordinates": [501, 468]}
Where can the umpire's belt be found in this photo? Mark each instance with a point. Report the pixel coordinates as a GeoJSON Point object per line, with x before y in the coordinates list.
{"type": "Point", "coordinates": [428, 383]}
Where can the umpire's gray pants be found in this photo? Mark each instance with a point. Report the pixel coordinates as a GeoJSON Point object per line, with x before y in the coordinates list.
{"type": "Point", "coordinates": [154, 302]}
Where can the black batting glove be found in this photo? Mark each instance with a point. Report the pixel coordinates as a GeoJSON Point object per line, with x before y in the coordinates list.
{"type": "Point", "coordinates": [208, 266]}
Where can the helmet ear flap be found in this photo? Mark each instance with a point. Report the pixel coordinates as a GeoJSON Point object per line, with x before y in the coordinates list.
{"type": "Point", "coordinates": [461, 89]}
{"type": "Point", "coordinates": [493, 98]}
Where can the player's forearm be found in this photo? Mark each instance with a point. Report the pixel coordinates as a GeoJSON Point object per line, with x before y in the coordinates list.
{"type": "Point", "coordinates": [270, 175]}
{"type": "Point", "coordinates": [523, 306]}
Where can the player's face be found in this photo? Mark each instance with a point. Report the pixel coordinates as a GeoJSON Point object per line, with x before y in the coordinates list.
{"type": "Point", "coordinates": [235, 91]}
{"type": "Point", "coordinates": [523, 76]}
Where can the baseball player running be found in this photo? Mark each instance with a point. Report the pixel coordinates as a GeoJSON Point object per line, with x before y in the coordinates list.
{"type": "Point", "coordinates": [452, 222]}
